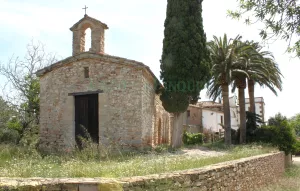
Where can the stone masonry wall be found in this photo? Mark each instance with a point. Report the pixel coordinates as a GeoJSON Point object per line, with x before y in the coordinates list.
{"type": "Point", "coordinates": [155, 120]}
{"type": "Point", "coordinates": [120, 104]}
{"type": "Point", "coordinates": [240, 175]}
{"type": "Point", "coordinates": [245, 174]}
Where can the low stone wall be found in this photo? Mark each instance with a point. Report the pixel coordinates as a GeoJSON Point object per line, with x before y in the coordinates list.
{"type": "Point", "coordinates": [243, 175]}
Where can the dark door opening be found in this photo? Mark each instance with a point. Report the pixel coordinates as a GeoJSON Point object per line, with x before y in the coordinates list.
{"type": "Point", "coordinates": [86, 118]}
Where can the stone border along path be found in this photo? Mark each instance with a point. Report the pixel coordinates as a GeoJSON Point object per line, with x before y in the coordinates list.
{"type": "Point", "coordinates": [195, 179]}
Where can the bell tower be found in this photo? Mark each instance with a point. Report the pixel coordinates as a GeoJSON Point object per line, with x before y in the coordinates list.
{"type": "Point", "coordinates": [97, 35]}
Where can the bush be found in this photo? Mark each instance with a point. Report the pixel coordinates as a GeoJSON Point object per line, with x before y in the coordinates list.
{"type": "Point", "coordinates": [192, 138]}
{"type": "Point", "coordinates": [296, 149]}
{"type": "Point", "coordinates": [279, 133]}
{"type": "Point", "coordinates": [263, 134]}
{"type": "Point", "coordinates": [284, 137]}
{"type": "Point", "coordinates": [235, 136]}
{"type": "Point", "coordinates": [9, 136]}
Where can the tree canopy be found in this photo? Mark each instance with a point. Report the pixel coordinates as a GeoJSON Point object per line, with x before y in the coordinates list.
{"type": "Point", "coordinates": [295, 122]}
{"type": "Point", "coordinates": [280, 18]}
{"type": "Point", "coordinates": [185, 61]}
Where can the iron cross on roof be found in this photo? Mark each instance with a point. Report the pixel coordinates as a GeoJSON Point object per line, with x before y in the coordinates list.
{"type": "Point", "coordinates": [85, 8]}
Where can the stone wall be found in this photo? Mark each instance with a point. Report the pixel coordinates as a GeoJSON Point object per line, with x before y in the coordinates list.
{"type": "Point", "coordinates": [127, 105]}
{"type": "Point", "coordinates": [154, 115]}
{"type": "Point", "coordinates": [97, 35]}
{"type": "Point", "coordinates": [245, 174]}
{"type": "Point", "coordinates": [195, 117]}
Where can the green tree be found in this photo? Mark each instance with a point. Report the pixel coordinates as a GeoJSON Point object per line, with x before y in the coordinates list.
{"type": "Point", "coordinates": [280, 17]}
{"type": "Point", "coordinates": [185, 61]}
{"type": "Point", "coordinates": [276, 120]}
{"type": "Point", "coordinates": [255, 66]}
{"type": "Point", "coordinates": [284, 134]}
{"type": "Point", "coordinates": [295, 123]}
{"type": "Point", "coordinates": [5, 112]}
{"type": "Point", "coordinates": [24, 86]}
{"type": "Point", "coordinates": [223, 57]}
{"type": "Point", "coordinates": [263, 70]}
{"type": "Point", "coordinates": [239, 80]}
{"type": "Point", "coordinates": [9, 123]}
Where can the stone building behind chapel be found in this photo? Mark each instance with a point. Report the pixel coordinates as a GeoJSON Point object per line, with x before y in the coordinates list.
{"type": "Point", "coordinates": [113, 98]}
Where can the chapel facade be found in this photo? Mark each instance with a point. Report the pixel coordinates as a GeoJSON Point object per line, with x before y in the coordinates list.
{"type": "Point", "coordinates": [113, 99]}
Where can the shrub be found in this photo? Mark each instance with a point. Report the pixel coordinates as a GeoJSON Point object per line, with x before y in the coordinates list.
{"type": "Point", "coordinates": [210, 136]}
{"type": "Point", "coordinates": [235, 136]}
{"type": "Point", "coordinates": [9, 136]}
{"type": "Point", "coordinates": [279, 133]}
{"type": "Point", "coordinates": [284, 137]}
{"type": "Point", "coordinates": [14, 124]}
{"type": "Point", "coordinates": [263, 134]}
{"type": "Point", "coordinates": [192, 138]}
{"type": "Point", "coordinates": [296, 149]}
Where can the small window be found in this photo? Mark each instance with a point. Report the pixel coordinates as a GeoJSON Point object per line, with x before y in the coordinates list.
{"type": "Point", "coordinates": [86, 72]}
{"type": "Point", "coordinates": [188, 113]}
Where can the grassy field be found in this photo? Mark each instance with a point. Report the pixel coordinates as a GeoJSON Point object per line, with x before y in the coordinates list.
{"type": "Point", "coordinates": [21, 162]}
{"type": "Point", "coordinates": [290, 181]}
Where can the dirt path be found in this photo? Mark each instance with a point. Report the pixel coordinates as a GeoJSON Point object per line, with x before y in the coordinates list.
{"type": "Point", "coordinates": [200, 152]}
{"type": "Point", "coordinates": [296, 160]}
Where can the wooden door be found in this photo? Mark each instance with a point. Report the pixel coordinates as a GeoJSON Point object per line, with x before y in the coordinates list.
{"type": "Point", "coordinates": [86, 117]}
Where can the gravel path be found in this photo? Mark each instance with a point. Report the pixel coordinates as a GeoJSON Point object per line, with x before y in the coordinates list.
{"type": "Point", "coordinates": [296, 160]}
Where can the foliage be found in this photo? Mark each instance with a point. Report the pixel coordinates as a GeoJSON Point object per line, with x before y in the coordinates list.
{"type": "Point", "coordinates": [223, 57]}
{"type": "Point", "coordinates": [296, 148]}
{"type": "Point", "coordinates": [163, 148]}
{"type": "Point", "coordinates": [23, 162]}
{"type": "Point", "coordinates": [235, 136]}
{"type": "Point", "coordinates": [14, 124]}
{"type": "Point", "coordinates": [284, 137]}
{"type": "Point", "coordinates": [185, 59]}
{"type": "Point", "coordinates": [253, 121]}
{"type": "Point", "coordinates": [224, 54]}
{"type": "Point", "coordinates": [9, 124]}
{"type": "Point", "coordinates": [192, 138]}
{"type": "Point", "coordinates": [262, 68]}
{"type": "Point", "coordinates": [23, 87]}
{"type": "Point", "coordinates": [295, 123]}
{"type": "Point", "coordinates": [279, 133]}
{"type": "Point", "coordinates": [280, 18]}
{"type": "Point", "coordinates": [263, 134]}
{"type": "Point", "coordinates": [9, 136]}
{"type": "Point", "coordinates": [32, 104]}
{"type": "Point", "coordinates": [276, 120]}
{"type": "Point", "coordinates": [6, 112]}
{"type": "Point", "coordinates": [211, 136]}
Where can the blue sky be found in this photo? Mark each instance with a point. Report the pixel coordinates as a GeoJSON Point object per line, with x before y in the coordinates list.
{"type": "Point", "coordinates": [135, 32]}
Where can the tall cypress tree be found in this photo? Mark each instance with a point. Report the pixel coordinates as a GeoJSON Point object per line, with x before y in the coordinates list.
{"type": "Point", "coordinates": [185, 63]}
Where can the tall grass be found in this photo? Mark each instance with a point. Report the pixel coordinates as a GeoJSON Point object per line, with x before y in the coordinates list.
{"type": "Point", "coordinates": [22, 162]}
{"type": "Point", "coordinates": [290, 181]}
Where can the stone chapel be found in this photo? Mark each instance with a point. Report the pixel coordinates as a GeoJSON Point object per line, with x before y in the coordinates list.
{"type": "Point", "coordinates": [113, 98]}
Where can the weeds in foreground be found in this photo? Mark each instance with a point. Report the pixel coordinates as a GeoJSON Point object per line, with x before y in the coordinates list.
{"type": "Point", "coordinates": [21, 162]}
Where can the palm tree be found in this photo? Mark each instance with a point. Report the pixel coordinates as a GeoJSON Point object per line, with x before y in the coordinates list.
{"type": "Point", "coordinates": [269, 74]}
{"type": "Point", "coordinates": [258, 66]}
{"type": "Point", "coordinates": [242, 57]}
{"type": "Point", "coordinates": [223, 56]}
